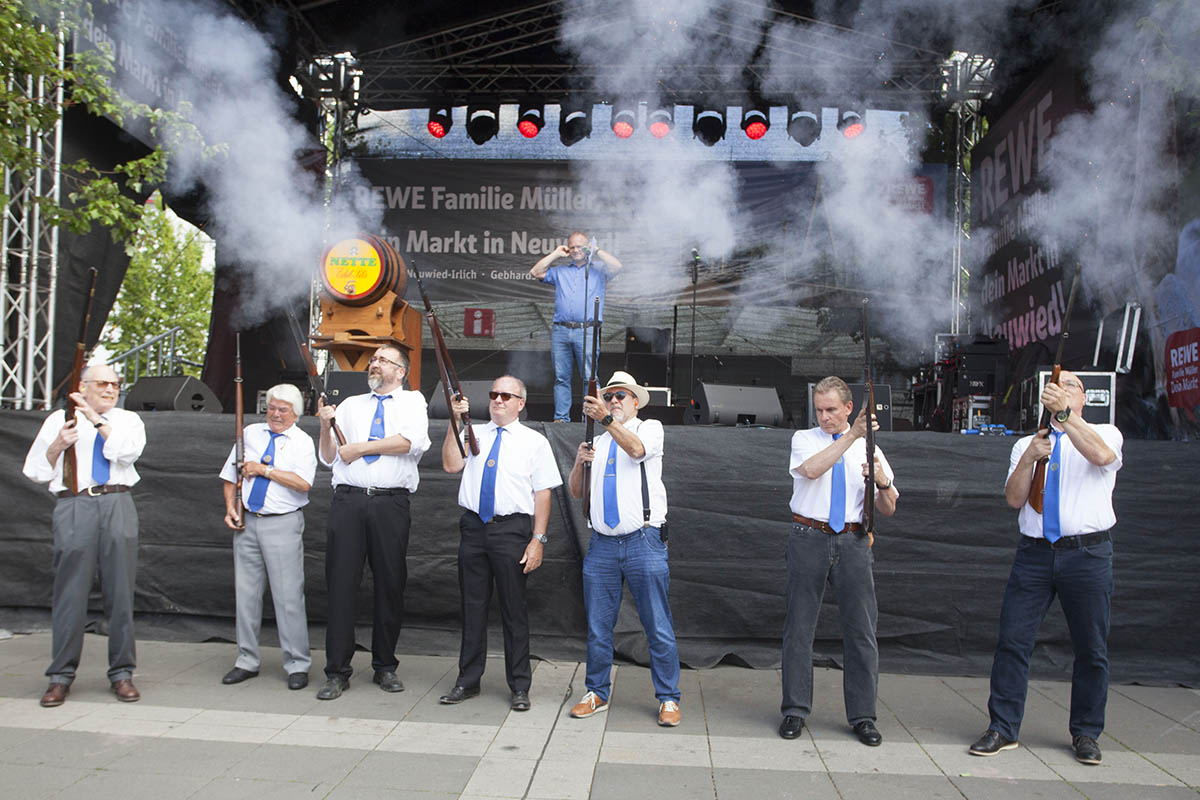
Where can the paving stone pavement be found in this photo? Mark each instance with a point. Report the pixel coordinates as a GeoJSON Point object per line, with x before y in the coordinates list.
{"type": "Point", "coordinates": [192, 737]}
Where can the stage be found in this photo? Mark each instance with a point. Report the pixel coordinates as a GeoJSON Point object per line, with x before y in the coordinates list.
{"type": "Point", "coordinates": [940, 563]}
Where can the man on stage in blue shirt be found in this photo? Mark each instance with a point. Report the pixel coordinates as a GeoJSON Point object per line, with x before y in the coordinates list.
{"type": "Point", "coordinates": [585, 276]}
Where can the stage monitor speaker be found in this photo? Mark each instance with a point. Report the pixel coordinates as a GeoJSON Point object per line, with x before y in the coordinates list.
{"type": "Point", "coordinates": [172, 393]}
{"type": "Point", "coordinates": [341, 384]}
{"type": "Point", "coordinates": [883, 404]}
{"type": "Point", "coordinates": [476, 392]}
{"type": "Point", "coordinates": [713, 404]}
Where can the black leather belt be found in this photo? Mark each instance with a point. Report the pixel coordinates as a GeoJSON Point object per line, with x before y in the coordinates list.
{"type": "Point", "coordinates": [576, 324]}
{"type": "Point", "coordinates": [94, 491]}
{"type": "Point", "coordinates": [1074, 542]}
{"type": "Point", "coordinates": [370, 491]}
{"type": "Point", "coordinates": [816, 524]}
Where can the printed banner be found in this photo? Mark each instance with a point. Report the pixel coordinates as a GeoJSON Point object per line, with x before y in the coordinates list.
{"type": "Point", "coordinates": [1182, 363]}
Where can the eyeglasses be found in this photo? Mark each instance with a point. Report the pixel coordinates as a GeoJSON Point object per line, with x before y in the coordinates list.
{"type": "Point", "coordinates": [608, 398]}
{"type": "Point", "coordinates": [382, 360]}
{"type": "Point", "coordinates": [505, 396]}
{"type": "Point", "coordinates": [105, 384]}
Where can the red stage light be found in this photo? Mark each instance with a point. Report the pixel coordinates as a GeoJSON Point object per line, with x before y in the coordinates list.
{"type": "Point", "coordinates": [622, 129]}
{"type": "Point", "coordinates": [852, 130]}
{"type": "Point", "coordinates": [659, 129]}
{"type": "Point", "coordinates": [756, 130]}
{"type": "Point", "coordinates": [528, 128]}
{"type": "Point", "coordinates": [436, 129]}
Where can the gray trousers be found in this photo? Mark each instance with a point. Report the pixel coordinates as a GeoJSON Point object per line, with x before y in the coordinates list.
{"type": "Point", "coordinates": [845, 560]}
{"type": "Point", "coordinates": [88, 531]}
{"type": "Point", "coordinates": [271, 549]}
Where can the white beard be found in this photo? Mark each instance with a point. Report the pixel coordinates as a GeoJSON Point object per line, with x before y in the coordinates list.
{"type": "Point", "coordinates": [618, 415]}
{"type": "Point", "coordinates": [374, 381]}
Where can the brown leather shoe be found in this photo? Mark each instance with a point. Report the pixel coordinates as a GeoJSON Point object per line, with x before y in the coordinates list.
{"type": "Point", "coordinates": [56, 695]}
{"type": "Point", "coordinates": [668, 714]}
{"type": "Point", "coordinates": [125, 691]}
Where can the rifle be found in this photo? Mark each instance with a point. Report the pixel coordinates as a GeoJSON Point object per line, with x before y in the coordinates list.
{"type": "Point", "coordinates": [868, 513]}
{"type": "Point", "coordinates": [239, 442]}
{"type": "Point", "coordinates": [1037, 488]}
{"type": "Point", "coordinates": [70, 472]}
{"type": "Point", "coordinates": [450, 385]}
{"type": "Point", "coordinates": [314, 378]}
{"type": "Point", "coordinates": [593, 389]}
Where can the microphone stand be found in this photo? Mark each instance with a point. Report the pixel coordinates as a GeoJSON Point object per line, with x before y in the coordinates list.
{"type": "Point", "coordinates": [692, 357]}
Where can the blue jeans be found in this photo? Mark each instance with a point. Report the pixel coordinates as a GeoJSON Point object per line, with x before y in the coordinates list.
{"type": "Point", "coordinates": [568, 347]}
{"type": "Point", "coordinates": [1082, 580]}
{"type": "Point", "coordinates": [640, 559]}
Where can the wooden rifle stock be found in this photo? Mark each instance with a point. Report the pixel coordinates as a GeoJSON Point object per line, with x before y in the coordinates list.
{"type": "Point", "coordinates": [1037, 488]}
{"type": "Point", "coordinates": [868, 512]}
{"type": "Point", "coordinates": [314, 377]}
{"type": "Point", "coordinates": [593, 390]}
{"type": "Point", "coordinates": [70, 470]}
{"type": "Point", "coordinates": [450, 385]}
{"type": "Point", "coordinates": [239, 440]}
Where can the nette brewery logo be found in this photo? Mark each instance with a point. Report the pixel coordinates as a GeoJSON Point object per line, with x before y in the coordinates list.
{"type": "Point", "coordinates": [352, 269]}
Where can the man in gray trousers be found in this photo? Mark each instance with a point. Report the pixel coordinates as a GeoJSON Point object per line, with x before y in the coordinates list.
{"type": "Point", "coordinates": [280, 463]}
{"type": "Point", "coordinates": [94, 522]}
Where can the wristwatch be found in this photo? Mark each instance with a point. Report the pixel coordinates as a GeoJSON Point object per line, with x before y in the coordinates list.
{"type": "Point", "coordinates": [606, 420]}
{"type": "Point", "coordinates": [267, 474]}
{"type": "Point", "coordinates": [541, 537]}
{"type": "Point", "coordinates": [1062, 416]}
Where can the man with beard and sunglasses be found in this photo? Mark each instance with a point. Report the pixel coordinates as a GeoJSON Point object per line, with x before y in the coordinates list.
{"type": "Point", "coordinates": [505, 494]}
{"type": "Point", "coordinates": [97, 525]}
{"type": "Point", "coordinates": [387, 431]}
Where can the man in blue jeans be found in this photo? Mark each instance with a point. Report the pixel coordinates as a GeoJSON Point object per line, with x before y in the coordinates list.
{"type": "Point", "coordinates": [576, 283]}
{"type": "Point", "coordinates": [628, 515]}
{"type": "Point", "coordinates": [1065, 551]}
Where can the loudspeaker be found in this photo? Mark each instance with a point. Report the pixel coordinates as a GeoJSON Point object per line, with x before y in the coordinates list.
{"type": "Point", "coordinates": [345, 383]}
{"type": "Point", "coordinates": [883, 404]}
{"type": "Point", "coordinates": [735, 405]}
{"type": "Point", "coordinates": [476, 392]}
{"type": "Point", "coordinates": [172, 393]}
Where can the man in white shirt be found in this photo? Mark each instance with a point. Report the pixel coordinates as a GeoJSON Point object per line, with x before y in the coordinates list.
{"type": "Point", "coordinates": [1066, 552]}
{"type": "Point", "coordinates": [97, 524]}
{"type": "Point", "coordinates": [386, 433]}
{"type": "Point", "coordinates": [505, 491]}
{"type": "Point", "coordinates": [280, 463]}
{"type": "Point", "coordinates": [828, 544]}
{"type": "Point", "coordinates": [628, 517]}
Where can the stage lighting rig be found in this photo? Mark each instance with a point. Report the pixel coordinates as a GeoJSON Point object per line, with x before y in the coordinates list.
{"type": "Point", "coordinates": [660, 121]}
{"type": "Point", "coordinates": [483, 122]}
{"type": "Point", "coordinates": [756, 122]}
{"type": "Point", "coordinates": [850, 123]}
{"type": "Point", "coordinates": [574, 123]}
{"type": "Point", "coordinates": [531, 120]}
{"type": "Point", "coordinates": [440, 121]}
{"type": "Point", "coordinates": [803, 126]}
{"type": "Point", "coordinates": [624, 120]}
{"type": "Point", "coordinates": [708, 125]}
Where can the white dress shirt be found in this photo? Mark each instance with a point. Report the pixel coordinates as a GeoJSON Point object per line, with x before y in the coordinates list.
{"type": "Point", "coordinates": [125, 442]}
{"type": "Point", "coordinates": [524, 465]}
{"type": "Point", "coordinates": [810, 498]}
{"type": "Point", "coordinates": [405, 414]}
{"type": "Point", "coordinates": [294, 452]}
{"type": "Point", "coordinates": [1084, 490]}
{"type": "Point", "coordinates": [629, 480]}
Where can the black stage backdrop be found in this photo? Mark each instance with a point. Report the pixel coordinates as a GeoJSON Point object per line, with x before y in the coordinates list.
{"type": "Point", "coordinates": [940, 564]}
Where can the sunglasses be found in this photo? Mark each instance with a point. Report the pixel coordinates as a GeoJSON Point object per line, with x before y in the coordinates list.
{"type": "Point", "coordinates": [505, 396]}
{"type": "Point", "coordinates": [608, 398]}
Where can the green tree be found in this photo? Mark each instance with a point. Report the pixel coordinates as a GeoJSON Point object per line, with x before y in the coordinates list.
{"type": "Point", "coordinates": [167, 284]}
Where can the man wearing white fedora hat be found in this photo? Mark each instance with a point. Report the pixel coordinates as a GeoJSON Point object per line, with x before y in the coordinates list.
{"type": "Point", "coordinates": [628, 517]}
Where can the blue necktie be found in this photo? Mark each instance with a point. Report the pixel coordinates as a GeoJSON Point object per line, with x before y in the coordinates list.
{"type": "Point", "coordinates": [376, 426]}
{"type": "Point", "coordinates": [837, 494]}
{"type": "Point", "coordinates": [1050, 524]}
{"type": "Point", "coordinates": [100, 469]}
{"type": "Point", "coordinates": [612, 512]}
{"type": "Point", "coordinates": [258, 489]}
{"type": "Point", "coordinates": [487, 487]}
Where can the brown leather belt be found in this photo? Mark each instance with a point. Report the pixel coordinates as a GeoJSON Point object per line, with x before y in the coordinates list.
{"type": "Point", "coordinates": [94, 491]}
{"type": "Point", "coordinates": [817, 524]}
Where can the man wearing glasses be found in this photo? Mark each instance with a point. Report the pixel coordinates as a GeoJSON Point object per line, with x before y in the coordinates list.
{"type": "Point", "coordinates": [576, 283]}
{"type": "Point", "coordinates": [628, 517]}
{"type": "Point", "coordinates": [268, 534]}
{"type": "Point", "coordinates": [505, 494]}
{"type": "Point", "coordinates": [1065, 551]}
{"type": "Point", "coordinates": [386, 432]}
{"type": "Point", "coordinates": [97, 524]}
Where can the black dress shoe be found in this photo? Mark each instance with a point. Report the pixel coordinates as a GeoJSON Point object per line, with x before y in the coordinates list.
{"type": "Point", "coordinates": [791, 727]}
{"type": "Point", "coordinates": [457, 695]}
{"type": "Point", "coordinates": [990, 744]}
{"type": "Point", "coordinates": [333, 688]}
{"type": "Point", "coordinates": [388, 681]}
{"type": "Point", "coordinates": [1086, 749]}
{"type": "Point", "coordinates": [868, 734]}
{"type": "Point", "coordinates": [520, 701]}
{"type": "Point", "coordinates": [237, 675]}
{"type": "Point", "coordinates": [297, 680]}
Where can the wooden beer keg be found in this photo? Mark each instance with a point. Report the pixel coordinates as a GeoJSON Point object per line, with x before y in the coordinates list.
{"type": "Point", "coordinates": [361, 270]}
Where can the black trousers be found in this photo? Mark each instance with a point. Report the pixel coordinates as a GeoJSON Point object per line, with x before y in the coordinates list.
{"type": "Point", "coordinates": [373, 529]}
{"type": "Point", "coordinates": [488, 555]}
